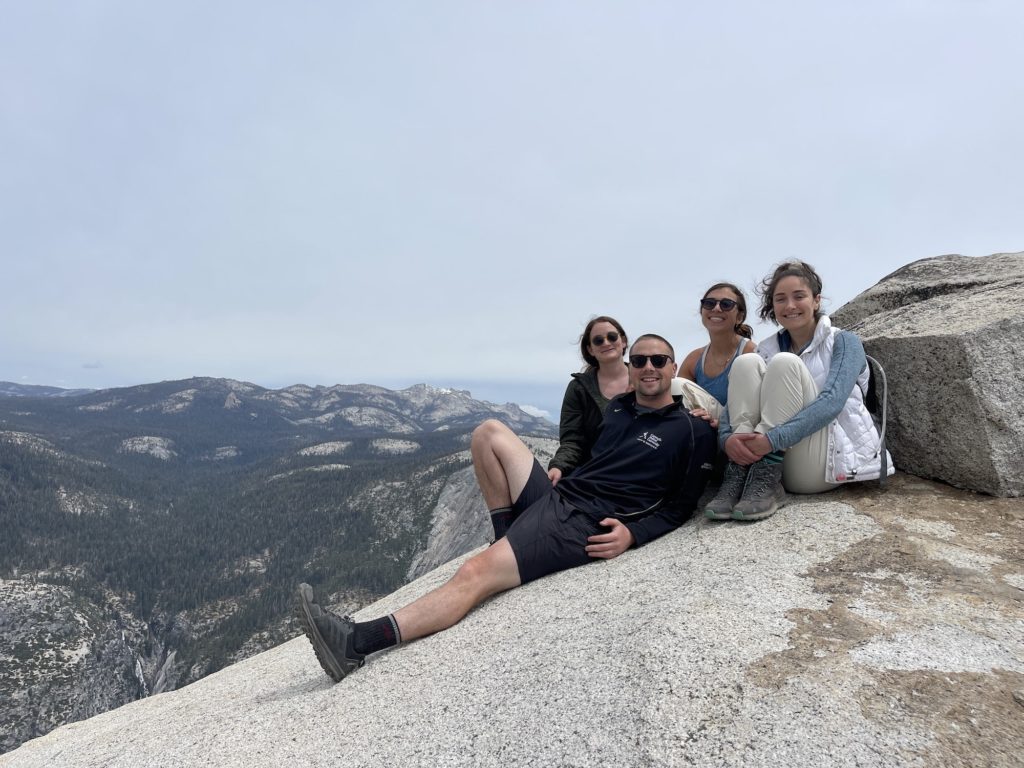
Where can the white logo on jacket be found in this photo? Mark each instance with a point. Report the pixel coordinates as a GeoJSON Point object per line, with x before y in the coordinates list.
{"type": "Point", "coordinates": [650, 440]}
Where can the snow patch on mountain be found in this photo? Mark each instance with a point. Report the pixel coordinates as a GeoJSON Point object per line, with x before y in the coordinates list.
{"type": "Point", "coordinates": [106, 405]}
{"type": "Point", "coordinates": [326, 449]}
{"type": "Point", "coordinates": [80, 502]}
{"type": "Point", "coordinates": [391, 446]}
{"type": "Point", "coordinates": [176, 403]}
{"type": "Point", "coordinates": [40, 445]}
{"type": "Point", "coordinates": [366, 416]}
{"type": "Point", "coordinates": [329, 399]}
{"type": "Point", "coordinates": [293, 397]}
{"type": "Point", "coordinates": [158, 447]}
{"type": "Point", "coordinates": [252, 564]}
{"type": "Point", "coordinates": [320, 468]}
{"type": "Point", "coordinates": [74, 655]}
{"type": "Point", "coordinates": [241, 386]}
{"type": "Point", "coordinates": [222, 453]}
{"type": "Point", "coordinates": [376, 417]}
{"type": "Point", "coordinates": [30, 441]}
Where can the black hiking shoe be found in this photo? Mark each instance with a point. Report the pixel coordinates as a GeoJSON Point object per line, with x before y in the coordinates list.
{"type": "Point", "coordinates": [763, 494]}
{"type": "Point", "coordinates": [733, 481]}
{"type": "Point", "coordinates": [330, 634]}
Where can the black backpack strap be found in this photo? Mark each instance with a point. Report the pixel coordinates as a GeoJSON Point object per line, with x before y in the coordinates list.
{"type": "Point", "coordinates": [879, 406]}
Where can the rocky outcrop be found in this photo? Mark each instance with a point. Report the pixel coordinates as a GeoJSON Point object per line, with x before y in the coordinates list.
{"type": "Point", "coordinates": [854, 628]}
{"type": "Point", "coordinates": [950, 333]}
{"type": "Point", "coordinates": [459, 524]}
{"type": "Point", "coordinates": [66, 656]}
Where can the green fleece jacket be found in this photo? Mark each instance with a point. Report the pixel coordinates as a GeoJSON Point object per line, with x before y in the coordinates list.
{"type": "Point", "coordinates": [582, 415]}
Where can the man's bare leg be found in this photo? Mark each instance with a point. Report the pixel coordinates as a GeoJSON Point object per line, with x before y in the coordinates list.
{"type": "Point", "coordinates": [493, 570]}
{"type": "Point", "coordinates": [335, 638]}
{"type": "Point", "coordinates": [502, 463]}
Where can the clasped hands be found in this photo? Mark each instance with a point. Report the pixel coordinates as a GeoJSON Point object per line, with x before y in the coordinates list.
{"type": "Point", "coordinates": [746, 448]}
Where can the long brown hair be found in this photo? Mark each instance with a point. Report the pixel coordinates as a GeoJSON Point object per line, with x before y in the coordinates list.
{"type": "Point", "coordinates": [590, 360]}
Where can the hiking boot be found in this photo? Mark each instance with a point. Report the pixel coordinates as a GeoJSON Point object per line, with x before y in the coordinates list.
{"type": "Point", "coordinates": [330, 634]}
{"type": "Point", "coordinates": [733, 481]}
{"type": "Point", "coordinates": [764, 493]}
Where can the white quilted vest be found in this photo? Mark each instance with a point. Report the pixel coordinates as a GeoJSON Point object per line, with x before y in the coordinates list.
{"type": "Point", "coordinates": [853, 441]}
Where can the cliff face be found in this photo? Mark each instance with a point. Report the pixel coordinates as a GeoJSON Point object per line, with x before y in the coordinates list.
{"type": "Point", "coordinates": [68, 656]}
{"type": "Point", "coordinates": [858, 627]}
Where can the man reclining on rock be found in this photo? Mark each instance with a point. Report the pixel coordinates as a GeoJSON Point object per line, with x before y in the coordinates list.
{"type": "Point", "coordinates": [647, 472]}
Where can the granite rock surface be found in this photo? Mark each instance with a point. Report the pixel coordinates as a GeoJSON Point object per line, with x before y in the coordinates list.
{"type": "Point", "coordinates": [950, 333]}
{"type": "Point", "coordinates": [854, 628]}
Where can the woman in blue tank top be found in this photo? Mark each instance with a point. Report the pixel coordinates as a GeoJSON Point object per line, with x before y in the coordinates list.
{"type": "Point", "coordinates": [704, 373]}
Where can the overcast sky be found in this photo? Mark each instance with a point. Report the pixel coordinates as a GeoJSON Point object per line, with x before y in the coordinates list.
{"type": "Point", "coordinates": [399, 192]}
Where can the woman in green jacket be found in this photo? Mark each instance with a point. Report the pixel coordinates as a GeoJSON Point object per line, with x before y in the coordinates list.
{"type": "Point", "coordinates": [603, 345]}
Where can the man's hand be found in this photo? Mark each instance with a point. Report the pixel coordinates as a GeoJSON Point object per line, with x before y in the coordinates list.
{"type": "Point", "coordinates": [612, 544]}
{"type": "Point", "coordinates": [746, 448]}
{"type": "Point", "coordinates": [554, 475]}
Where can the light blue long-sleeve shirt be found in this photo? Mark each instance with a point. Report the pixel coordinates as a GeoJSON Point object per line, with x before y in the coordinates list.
{"type": "Point", "coordinates": [848, 361]}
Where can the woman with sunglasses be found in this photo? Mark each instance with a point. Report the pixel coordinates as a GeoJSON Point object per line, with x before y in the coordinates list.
{"type": "Point", "coordinates": [603, 344]}
{"type": "Point", "coordinates": [705, 371]}
{"type": "Point", "coordinates": [799, 422]}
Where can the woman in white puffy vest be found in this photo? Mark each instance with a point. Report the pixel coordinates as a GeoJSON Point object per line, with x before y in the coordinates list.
{"type": "Point", "coordinates": [796, 419]}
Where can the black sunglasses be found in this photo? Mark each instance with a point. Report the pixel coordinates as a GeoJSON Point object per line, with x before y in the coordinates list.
{"type": "Point", "coordinates": [658, 361]}
{"type": "Point", "coordinates": [709, 304]}
{"type": "Point", "coordinates": [597, 341]}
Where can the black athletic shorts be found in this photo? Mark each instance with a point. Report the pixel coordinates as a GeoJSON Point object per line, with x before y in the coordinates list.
{"type": "Point", "coordinates": [549, 535]}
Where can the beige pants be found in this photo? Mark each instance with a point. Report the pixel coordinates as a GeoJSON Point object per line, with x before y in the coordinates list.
{"type": "Point", "coordinates": [764, 395]}
{"type": "Point", "coordinates": [695, 396]}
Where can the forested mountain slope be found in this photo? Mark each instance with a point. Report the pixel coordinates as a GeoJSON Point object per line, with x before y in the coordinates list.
{"type": "Point", "coordinates": [153, 534]}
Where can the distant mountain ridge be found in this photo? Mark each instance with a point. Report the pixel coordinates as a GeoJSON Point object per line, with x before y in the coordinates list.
{"type": "Point", "coordinates": [10, 389]}
{"type": "Point", "coordinates": [357, 407]}
{"type": "Point", "coordinates": [149, 535]}
{"type": "Point", "coordinates": [208, 419]}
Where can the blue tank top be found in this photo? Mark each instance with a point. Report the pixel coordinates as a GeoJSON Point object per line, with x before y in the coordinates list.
{"type": "Point", "coordinates": [719, 385]}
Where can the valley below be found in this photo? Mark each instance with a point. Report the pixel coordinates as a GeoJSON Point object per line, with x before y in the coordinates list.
{"type": "Point", "coordinates": [155, 534]}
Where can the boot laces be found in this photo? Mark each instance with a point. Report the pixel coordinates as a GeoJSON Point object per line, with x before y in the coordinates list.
{"type": "Point", "coordinates": [762, 479]}
{"type": "Point", "coordinates": [734, 481]}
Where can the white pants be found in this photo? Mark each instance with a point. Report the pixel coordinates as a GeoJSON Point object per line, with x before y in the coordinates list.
{"type": "Point", "coordinates": [764, 395]}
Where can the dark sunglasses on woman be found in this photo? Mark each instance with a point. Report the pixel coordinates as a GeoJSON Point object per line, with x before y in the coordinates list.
{"type": "Point", "coordinates": [725, 304]}
{"type": "Point", "coordinates": [598, 341]}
